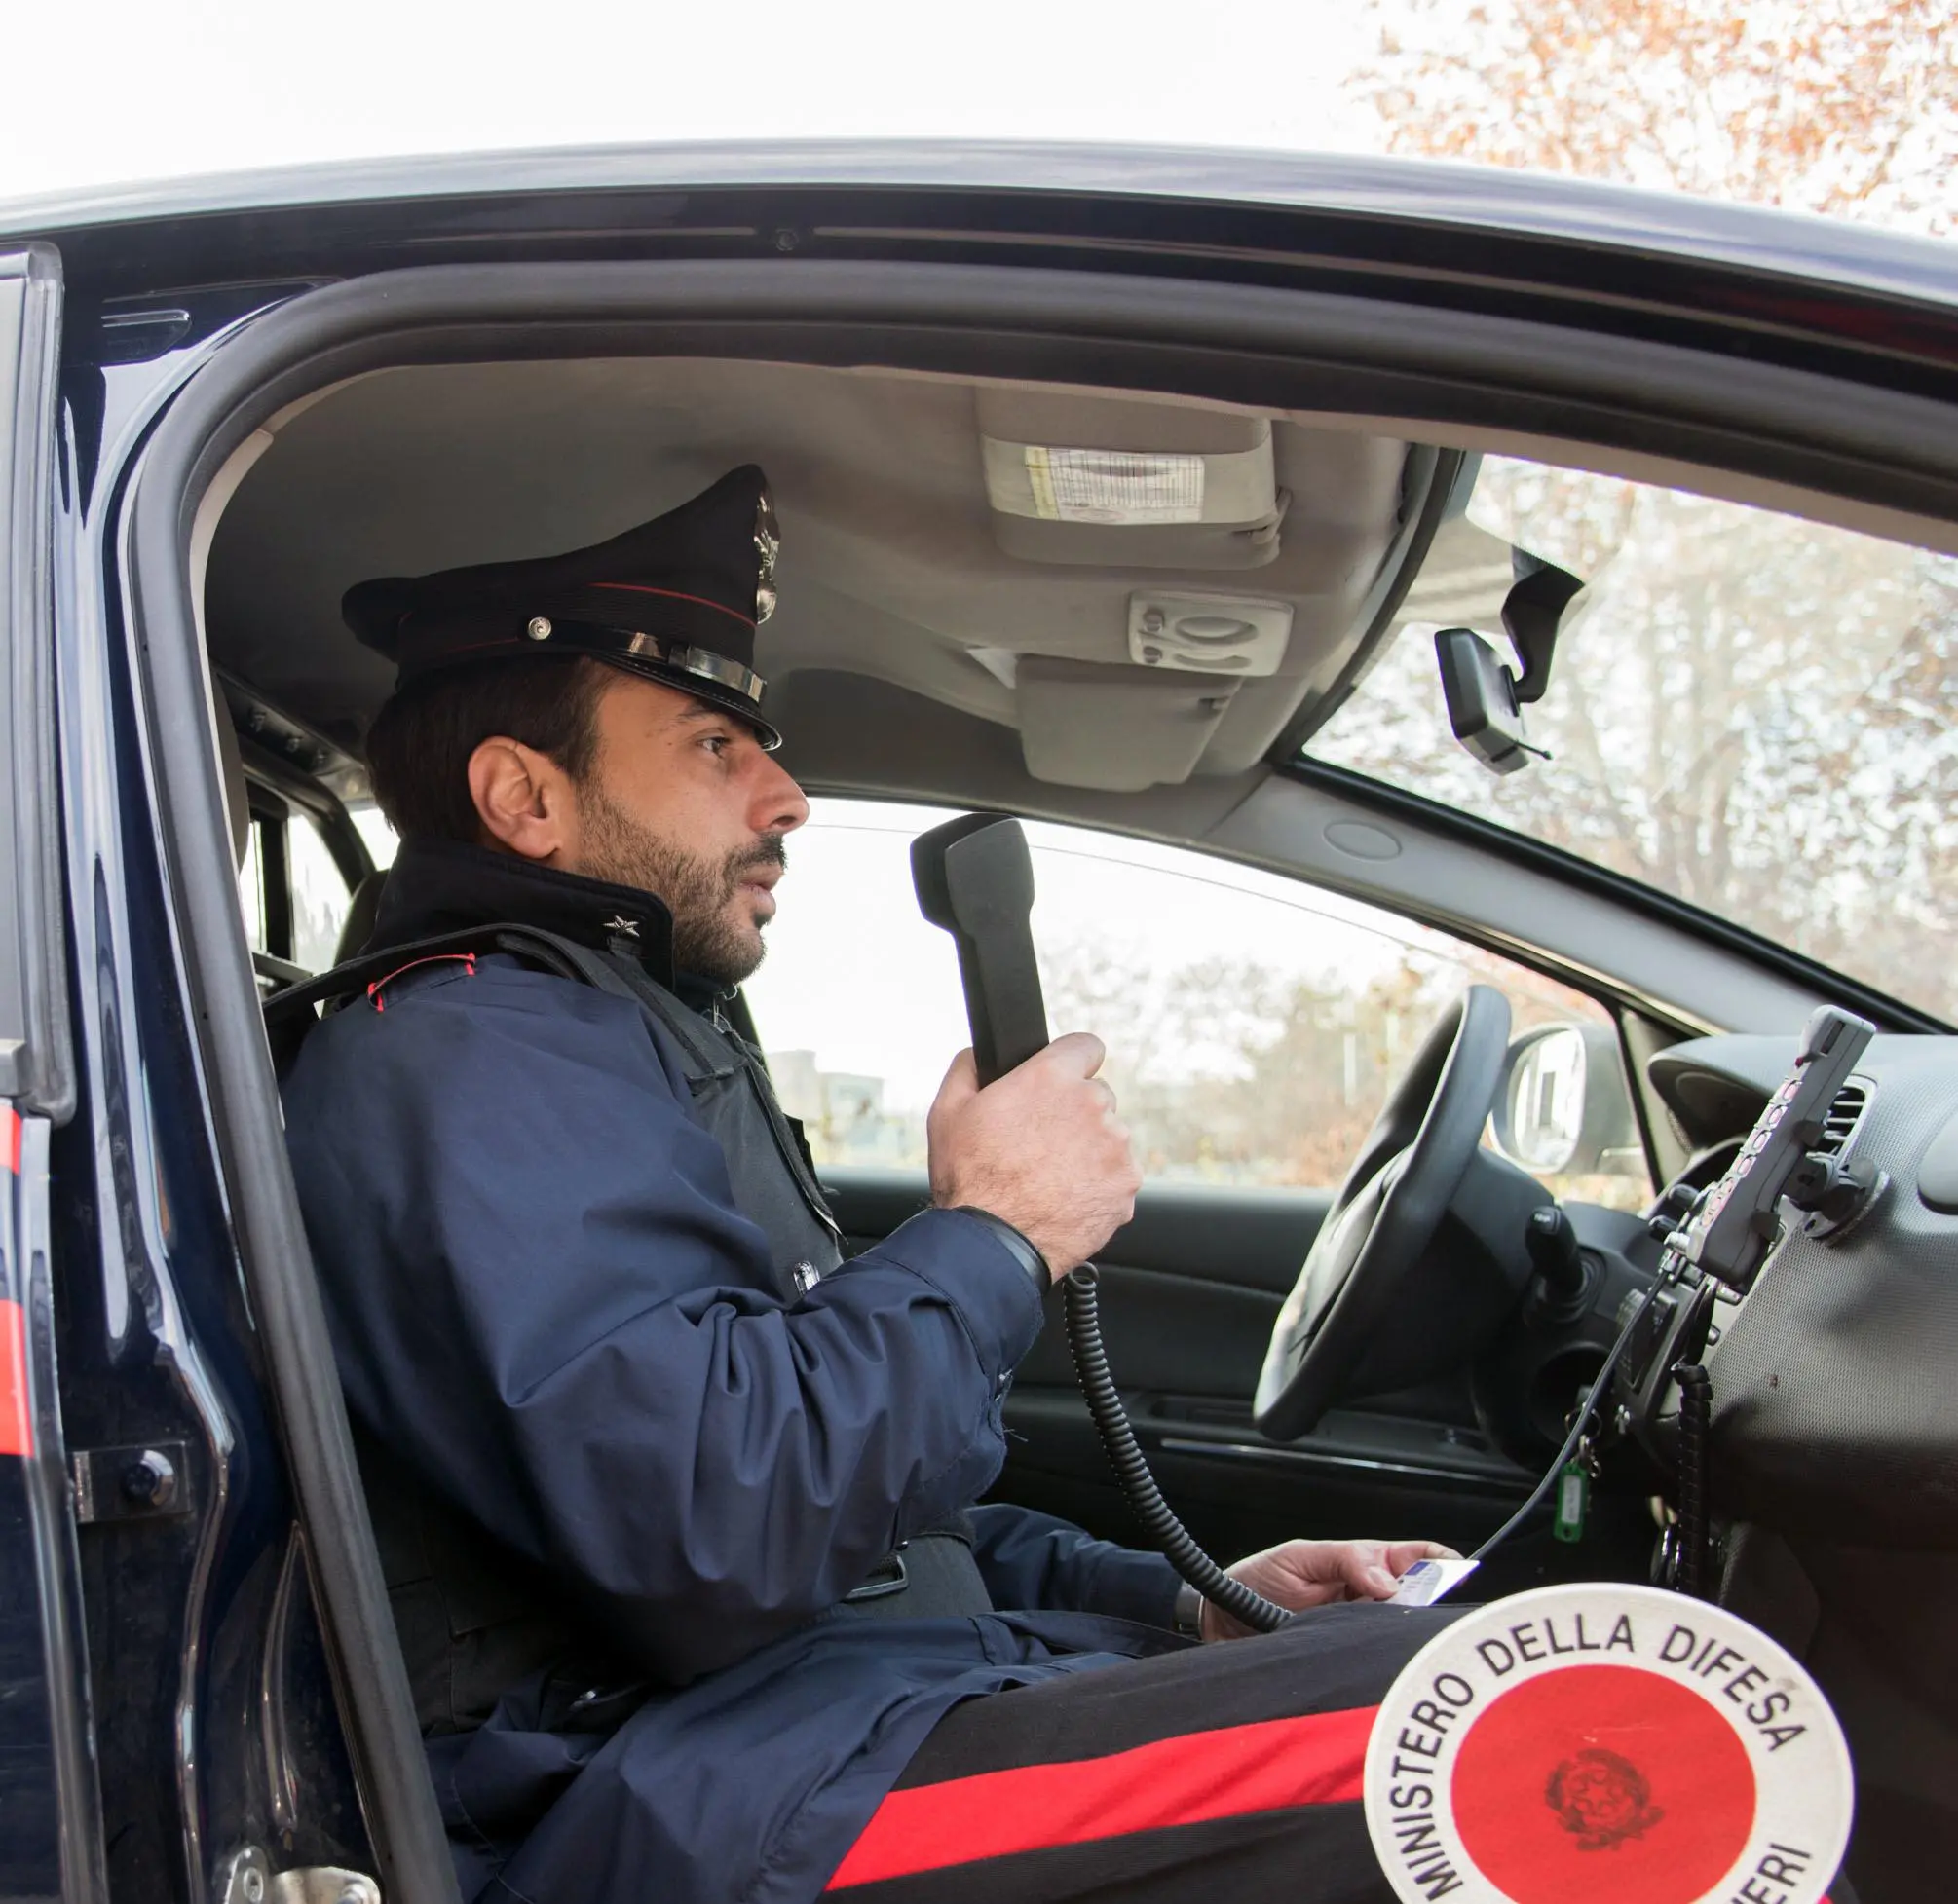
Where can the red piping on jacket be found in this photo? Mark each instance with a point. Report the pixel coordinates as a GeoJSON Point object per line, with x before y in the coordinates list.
{"type": "Point", "coordinates": [467, 959]}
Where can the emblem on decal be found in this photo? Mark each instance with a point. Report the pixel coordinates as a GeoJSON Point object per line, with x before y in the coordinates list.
{"type": "Point", "coordinates": [768, 546]}
{"type": "Point", "coordinates": [1601, 1799]}
{"type": "Point", "coordinates": [1615, 1743]}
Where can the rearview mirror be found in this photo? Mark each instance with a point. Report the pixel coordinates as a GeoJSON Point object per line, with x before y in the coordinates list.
{"type": "Point", "coordinates": [1562, 1108]}
{"type": "Point", "coordinates": [1483, 713]}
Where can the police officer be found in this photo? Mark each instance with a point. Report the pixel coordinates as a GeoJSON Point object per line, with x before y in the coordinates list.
{"type": "Point", "coordinates": [675, 1505]}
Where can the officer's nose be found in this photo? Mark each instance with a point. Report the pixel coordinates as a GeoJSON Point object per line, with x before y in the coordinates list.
{"type": "Point", "coordinates": [779, 804]}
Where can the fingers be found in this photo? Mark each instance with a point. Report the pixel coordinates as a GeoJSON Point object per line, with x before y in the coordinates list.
{"type": "Point", "coordinates": [1365, 1568]}
{"type": "Point", "coordinates": [1402, 1554]}
{"type": "Point", "coordinates": [1042, 1148]}
{"type": "Point", "coordinates": [1357, 1570]}
{"type": "Point", "coordinates": [1081, 1054]}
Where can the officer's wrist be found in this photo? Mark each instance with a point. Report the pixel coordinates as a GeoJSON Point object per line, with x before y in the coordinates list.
{"type": "Point", "coordinates": [1188, 1618]}
{"type": "Point", "coordinates": [1023, 1248]}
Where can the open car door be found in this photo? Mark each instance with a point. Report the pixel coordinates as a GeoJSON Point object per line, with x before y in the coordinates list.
{"type": "Point", "coordinates": [51, 1846]}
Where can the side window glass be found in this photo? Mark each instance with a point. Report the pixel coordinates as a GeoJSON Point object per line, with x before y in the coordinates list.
{"type": "Point", "coordinates": [380, 839]}
{"type": "Point", "coordinates": [252, 888]}
{"type": "Point", "coordinates": [1254, 1025]}
{"type": "Point", "coordinates": [321, 896]}
{"type": "Point", "coordinates": [857, 1003]}
{"type": "Point", "coordinates": [293, 894]}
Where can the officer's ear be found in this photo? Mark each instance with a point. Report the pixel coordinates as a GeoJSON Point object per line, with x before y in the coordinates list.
{"type": "Point", "coordinates": [524, 800]}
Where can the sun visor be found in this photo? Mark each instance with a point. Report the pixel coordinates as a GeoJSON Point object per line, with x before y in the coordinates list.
{"type": "Point", "coordinates": [1118, 730]}
{"type": "Point", "coordinates": [1078, 479]}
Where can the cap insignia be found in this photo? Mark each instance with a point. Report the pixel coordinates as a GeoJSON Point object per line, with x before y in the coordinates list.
{"type": "Point", "coordinates": [768, 546]}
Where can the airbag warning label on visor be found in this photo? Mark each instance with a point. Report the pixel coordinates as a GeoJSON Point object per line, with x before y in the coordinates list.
{"type": "Point", "coordinates": [1619, 1744]}
{"type": "Point", "coordinates": [1115, 486]}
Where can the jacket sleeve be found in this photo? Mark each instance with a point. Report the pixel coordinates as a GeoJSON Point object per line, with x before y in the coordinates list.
{"type": "Point", "coordinates": [1032, 1560]}
{"type": "Point", "coordinates": [543, 1297]}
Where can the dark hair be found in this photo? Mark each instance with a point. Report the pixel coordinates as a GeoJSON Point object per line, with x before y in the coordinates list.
{"type": "Point", "coordinates": [419, 747]}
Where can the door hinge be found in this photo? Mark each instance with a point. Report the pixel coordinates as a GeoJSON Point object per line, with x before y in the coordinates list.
{"type": "Point", "coordinates": [246, 1877]}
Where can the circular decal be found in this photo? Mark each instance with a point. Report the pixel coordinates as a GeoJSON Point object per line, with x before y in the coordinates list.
{"type": "Point", "coordinates": [1621, 1744]}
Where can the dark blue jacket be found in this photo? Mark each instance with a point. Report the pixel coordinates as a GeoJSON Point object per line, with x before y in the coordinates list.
{"type": "Point", "coordinates": [549, 1309]}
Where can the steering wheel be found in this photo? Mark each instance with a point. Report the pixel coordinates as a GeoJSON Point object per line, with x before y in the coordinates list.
{"type": "Point", "coordinates": [1384, 1215]}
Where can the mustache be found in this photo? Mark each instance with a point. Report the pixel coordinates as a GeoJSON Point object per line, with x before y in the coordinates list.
{"type": "Point", "coordinates": [768, 850]}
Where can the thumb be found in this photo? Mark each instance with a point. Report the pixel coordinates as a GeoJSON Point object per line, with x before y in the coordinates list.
{"type": "Point", "coordinates": [961, 1085]}
{"type": "Point", "coordinates": [1078, 1054]}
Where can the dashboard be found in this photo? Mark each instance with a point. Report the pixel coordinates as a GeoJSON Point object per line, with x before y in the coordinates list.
{"type": "Point", "coordinates": [1834, 1404]}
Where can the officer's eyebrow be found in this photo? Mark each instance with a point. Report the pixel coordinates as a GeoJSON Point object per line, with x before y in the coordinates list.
{"type": "Point", "coordinates": [703, 711]}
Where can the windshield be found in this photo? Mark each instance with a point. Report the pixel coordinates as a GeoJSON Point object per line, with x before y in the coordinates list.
{"type": "Point", "coordinates": [1746, 710]}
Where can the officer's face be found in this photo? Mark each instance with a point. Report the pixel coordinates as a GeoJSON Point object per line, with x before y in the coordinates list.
{"type": "Point", "coordinates": [682, 801]}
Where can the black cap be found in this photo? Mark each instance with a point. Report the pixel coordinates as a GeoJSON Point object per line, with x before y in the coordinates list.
{"type": "Point", "coordinates": [678, 600]}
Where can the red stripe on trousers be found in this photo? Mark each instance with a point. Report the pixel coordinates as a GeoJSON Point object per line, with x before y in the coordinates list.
{"type": "Point", "coordinates": [10, 1140]}
{"type": "Point", "coordinates": [17, 1425]}
{"type": "Point", "coordinates": [1317, 1759]}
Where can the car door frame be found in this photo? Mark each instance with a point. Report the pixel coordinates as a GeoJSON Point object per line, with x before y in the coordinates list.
{"type": "Point", "coordinates": [55, 1839]}
{"type": "Point", "coordinates": [1212, 337]}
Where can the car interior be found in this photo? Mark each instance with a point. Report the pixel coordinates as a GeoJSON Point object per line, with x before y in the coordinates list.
{"type": "Point", "coordinates": [1126, 615]}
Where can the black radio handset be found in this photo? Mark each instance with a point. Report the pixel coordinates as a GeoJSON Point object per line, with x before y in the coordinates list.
{"type": "Point", "coordinates": [975, 877]}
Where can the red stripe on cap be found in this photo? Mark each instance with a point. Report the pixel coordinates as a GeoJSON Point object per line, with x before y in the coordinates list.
{"type": "Point", "coordinates": [16, 1425]}
{"type": "Point", "coordinates": [1317, 1759]}
{"type": "Point", "coordinates": [674, 595]}
{"type": "Point", "coordinates": [10, 1140]}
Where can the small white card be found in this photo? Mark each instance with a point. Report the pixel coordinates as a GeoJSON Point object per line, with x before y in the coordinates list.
{"type": "Point", "coordinates": [1426, 1581]}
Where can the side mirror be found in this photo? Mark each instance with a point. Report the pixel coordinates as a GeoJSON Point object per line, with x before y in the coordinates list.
{"type": "Point", "coordinates": [1562, 1108]}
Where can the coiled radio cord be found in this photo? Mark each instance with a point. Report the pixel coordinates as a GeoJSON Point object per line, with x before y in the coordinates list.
{"type": "Point", "coordinates": [1081, 1303]}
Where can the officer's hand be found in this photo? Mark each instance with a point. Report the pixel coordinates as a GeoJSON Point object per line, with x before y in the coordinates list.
{"type": "Point", "coordinates": [1041, 1149]}
{"type": "Point", "coordinates": [1315, 1573]}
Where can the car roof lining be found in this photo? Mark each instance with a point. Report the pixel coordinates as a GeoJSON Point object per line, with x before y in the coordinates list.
{"type": "Point", "coordinates": [891, 568]}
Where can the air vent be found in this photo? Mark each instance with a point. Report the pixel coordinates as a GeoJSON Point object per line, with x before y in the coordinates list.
{"type": "Point", "coordinates": [1844, 1115]}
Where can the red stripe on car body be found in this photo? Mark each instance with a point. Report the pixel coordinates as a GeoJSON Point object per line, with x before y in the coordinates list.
{"type": "Point", "coordinates": [16, 1425]}
{"type": "Point", "coordinates": [1316, 1759]}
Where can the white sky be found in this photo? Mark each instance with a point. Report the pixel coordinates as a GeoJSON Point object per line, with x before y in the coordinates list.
{"type": "Point", "coordinates": [120, 90]}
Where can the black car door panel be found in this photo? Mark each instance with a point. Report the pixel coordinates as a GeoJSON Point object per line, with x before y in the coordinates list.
{"type": "Point", "coordinates": [1189, 1291]}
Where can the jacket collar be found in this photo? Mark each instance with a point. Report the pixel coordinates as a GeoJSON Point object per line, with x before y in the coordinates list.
{"type": "Point", "coordinates": [442, 885]}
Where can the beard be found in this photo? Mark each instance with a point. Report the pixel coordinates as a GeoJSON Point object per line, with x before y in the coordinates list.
{"type": "Point", "coordinates": [713, 936]}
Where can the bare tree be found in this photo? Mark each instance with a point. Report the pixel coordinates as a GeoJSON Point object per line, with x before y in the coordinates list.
{"type": "Point", "coordinates": [1755, 713]}
{"type": "Point", "coordinates": [1836, 107]}
{"type": "Point", "coordinates": [1239, 1072]}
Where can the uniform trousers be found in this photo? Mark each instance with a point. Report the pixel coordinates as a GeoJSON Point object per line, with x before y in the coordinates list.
{"type": "Point", "coordinates": [1228, 1770]}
